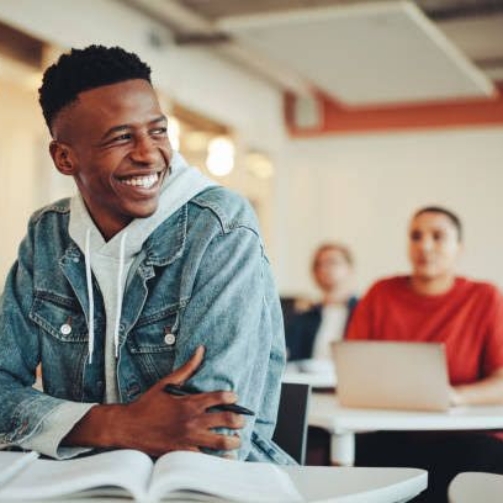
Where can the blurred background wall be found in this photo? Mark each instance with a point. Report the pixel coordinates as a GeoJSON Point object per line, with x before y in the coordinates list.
{"type": "Point", "coordinates": [362, 190]}
{"type": "Point", "coordinates": [356, 187]}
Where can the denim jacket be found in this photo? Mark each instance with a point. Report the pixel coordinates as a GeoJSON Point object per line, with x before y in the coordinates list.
{"type": "Point", "coordinates": [202, 279]}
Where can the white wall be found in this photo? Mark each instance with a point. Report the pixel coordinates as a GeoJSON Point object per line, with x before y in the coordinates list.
{"type": "Point", "coordinates": [362, 190]}
{"type": "Point", "coordinates": [20, 130]}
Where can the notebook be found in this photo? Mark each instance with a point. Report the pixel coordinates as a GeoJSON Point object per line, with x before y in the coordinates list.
{"type": "Point", "coordinates": [180, 475]}
{"type": "Point", "coordinates": [392, 375]}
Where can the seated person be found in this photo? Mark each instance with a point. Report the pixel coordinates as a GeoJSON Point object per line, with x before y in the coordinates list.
{"type": "Point", "coordinates": [309, 333]}
{"type": "Point", "coordinates": [129, 285]}
{"type": "Point", "coordinates": [435, 305]}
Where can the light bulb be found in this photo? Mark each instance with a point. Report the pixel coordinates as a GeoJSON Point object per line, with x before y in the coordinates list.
{"type": "Point", "coordinates": [220, 160]}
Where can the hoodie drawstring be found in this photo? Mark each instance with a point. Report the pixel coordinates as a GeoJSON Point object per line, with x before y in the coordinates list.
{"type": "Point", "coordinates": [90, 294]}
{"type": "Point", "coordinates": [118, 313]}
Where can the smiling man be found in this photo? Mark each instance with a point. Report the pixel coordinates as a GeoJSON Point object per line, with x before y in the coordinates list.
{"type": "Point", "coordinates": [433, 304]}
{"type": "Point", "coordinates": [151, 275]}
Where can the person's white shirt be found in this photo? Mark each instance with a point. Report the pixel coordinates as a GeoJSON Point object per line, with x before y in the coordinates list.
{"type": "Point", "coordinates": [333, 323]}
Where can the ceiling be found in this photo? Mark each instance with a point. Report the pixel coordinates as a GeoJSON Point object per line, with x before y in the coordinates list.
{"type": "Point", "coordinates": [358, 52]}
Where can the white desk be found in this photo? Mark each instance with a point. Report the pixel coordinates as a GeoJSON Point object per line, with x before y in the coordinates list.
{"type": "Point", "coordinates": [342, 422]}
{"type": "Point", "coordinates": [468, 487]}
{"type": "Point", "coordinates": [316, 374]}
{"type": "Point", "coordinates": [325, 484]}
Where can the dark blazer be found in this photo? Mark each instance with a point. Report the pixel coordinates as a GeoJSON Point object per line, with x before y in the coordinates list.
{"type": "Point", "coordinates": [301, 329]}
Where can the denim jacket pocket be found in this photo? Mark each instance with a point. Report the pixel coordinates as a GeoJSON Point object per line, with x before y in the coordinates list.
{"type": "Point", "coordinates": [152, 344]}
{"type": "Point", "coordinates": [63, 342]}
{"type": "Point", "coordinates": [60, 317]}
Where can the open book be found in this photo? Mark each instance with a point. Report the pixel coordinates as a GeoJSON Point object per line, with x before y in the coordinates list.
{"type": "Point", "coordinates": [128, 473]}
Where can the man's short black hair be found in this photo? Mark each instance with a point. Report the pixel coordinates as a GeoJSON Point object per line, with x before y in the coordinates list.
{"type": "Point", "coordinates": [84, 69]}
{"type": "Point", "coordinates": [455, 220]}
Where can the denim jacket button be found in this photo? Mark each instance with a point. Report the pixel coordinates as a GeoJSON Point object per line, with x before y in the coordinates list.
{"type": "Point", "coordinates": [65, 329]}
{"type": "Point", "coordinates": [169, 339]}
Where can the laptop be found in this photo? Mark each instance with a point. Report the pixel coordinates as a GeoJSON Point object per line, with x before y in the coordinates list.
{"type": "Point", "coordinates": [392, 375]}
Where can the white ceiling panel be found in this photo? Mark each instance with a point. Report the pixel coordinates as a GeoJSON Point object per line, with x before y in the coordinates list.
{"type": "Point", "coordinates": [369, 54]}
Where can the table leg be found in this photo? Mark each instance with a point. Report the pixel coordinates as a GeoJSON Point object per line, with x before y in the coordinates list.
{"type": "Point", "coordinates": [342, 449]}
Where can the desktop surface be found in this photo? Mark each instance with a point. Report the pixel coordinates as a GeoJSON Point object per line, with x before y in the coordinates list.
{"type": "Point", "coordinates": [319, 375]}
{"type": "Point", "coordinates": [343, 423]}
{"type": "Point", "coordinates": [326, 412]}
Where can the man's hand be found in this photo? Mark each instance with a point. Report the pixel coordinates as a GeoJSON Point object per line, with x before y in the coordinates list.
{"type": "Point", "coordinates": [159, 422]}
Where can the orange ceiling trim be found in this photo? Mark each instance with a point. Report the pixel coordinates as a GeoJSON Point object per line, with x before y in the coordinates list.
{"type": "Point", "coordinates": [335, 118]}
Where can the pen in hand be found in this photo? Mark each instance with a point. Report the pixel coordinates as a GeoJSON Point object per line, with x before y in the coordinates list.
{"type": "Point", "coordinates": [176, 390]}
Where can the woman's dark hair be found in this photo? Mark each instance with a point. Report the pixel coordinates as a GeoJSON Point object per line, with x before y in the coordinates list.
{"type": "Point", "coordinates": [455, 220]}
{"type": "Point", "coordinates": [84, 69]}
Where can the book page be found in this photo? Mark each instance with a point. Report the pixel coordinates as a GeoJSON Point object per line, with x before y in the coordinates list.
{"type": "Point", "coordinates": [11, 463]}
{"type": "Point", "coordinates": [213, 476]}
{"type": "Point", "coordinates": [7, 458]}
{"type": "Point", "coordinates": [42, 479]}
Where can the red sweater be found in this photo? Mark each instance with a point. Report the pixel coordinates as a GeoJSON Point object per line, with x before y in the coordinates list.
{"type": "Point", "coordinates": [468, 319]}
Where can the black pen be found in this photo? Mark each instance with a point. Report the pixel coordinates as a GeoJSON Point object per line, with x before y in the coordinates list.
{"type": "Point", "coordinates": [174, 389]}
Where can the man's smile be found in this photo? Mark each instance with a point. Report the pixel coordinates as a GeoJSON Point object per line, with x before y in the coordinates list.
{"type": "Point", "coordinates": [145, 181]}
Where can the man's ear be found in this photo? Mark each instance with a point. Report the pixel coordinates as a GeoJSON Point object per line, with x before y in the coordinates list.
{"type": "Point", "coordinates": [62, 157]}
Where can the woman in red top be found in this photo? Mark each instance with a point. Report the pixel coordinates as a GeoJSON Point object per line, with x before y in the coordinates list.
{"type": "Point", "coordinates": [433, 305]}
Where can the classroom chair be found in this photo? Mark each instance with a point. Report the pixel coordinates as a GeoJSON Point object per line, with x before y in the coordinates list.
{"type": "Point", "coordinates": [291, 425]}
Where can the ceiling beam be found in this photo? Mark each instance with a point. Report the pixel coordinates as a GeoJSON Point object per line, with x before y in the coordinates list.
{"type": "Point", "coordinates": [336, 119]}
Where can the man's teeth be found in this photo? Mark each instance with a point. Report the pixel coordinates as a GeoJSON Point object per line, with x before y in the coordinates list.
{"type": "Point", "coordinates": [141, 181]}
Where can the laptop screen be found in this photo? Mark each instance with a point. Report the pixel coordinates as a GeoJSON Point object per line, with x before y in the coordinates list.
{"type": "Point", "coordinates": [391, 375]}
